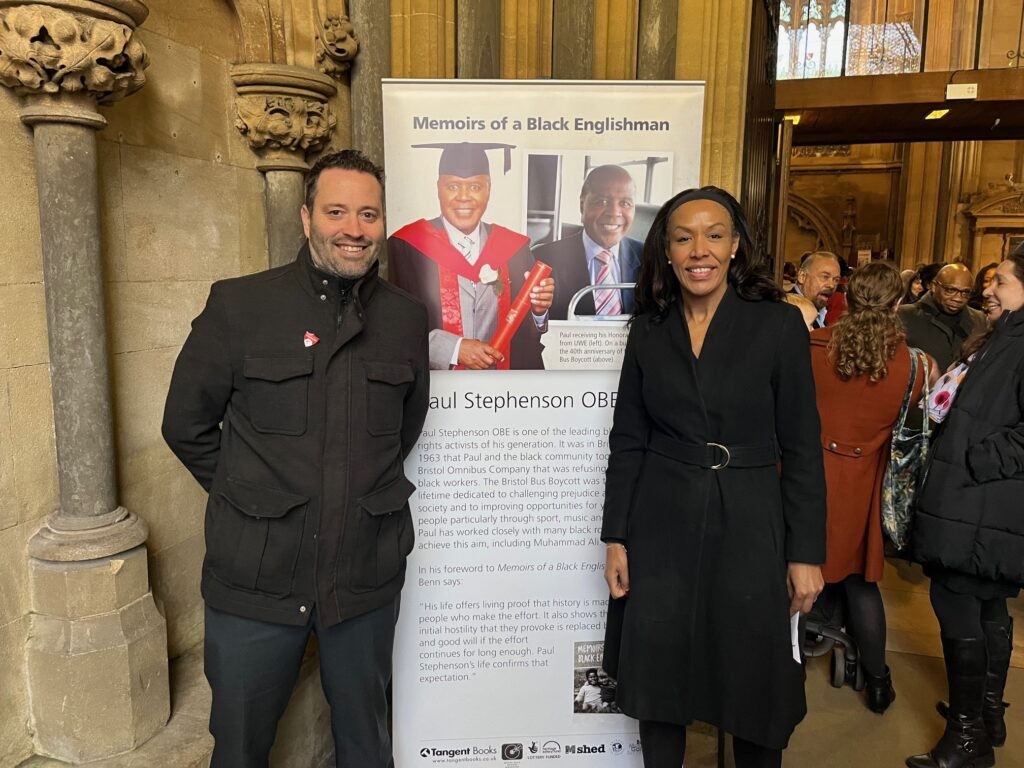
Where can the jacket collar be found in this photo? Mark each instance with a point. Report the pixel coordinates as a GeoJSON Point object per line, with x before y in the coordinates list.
{"type": "Point", "coordinates": [317, 282]}
{"type": "Point", "coordinates": [930, 308]}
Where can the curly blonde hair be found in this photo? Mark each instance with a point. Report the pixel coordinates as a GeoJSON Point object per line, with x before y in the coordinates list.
{"type": "Point", "coordinates": [865, 339]}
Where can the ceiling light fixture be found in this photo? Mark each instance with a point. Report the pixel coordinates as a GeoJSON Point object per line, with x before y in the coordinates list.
{"type": "Point", "coordinates": [936, 114]}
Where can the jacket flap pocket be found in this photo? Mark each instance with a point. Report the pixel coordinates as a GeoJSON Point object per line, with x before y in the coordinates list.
{"type": "Point", "coordinates": [391, 498]}
{"type": "Point", "coordinates": [260, 501]}
{"type": "Point", "coordinates": [277, 368]}
{"type": "Point", "coordinates": [389, 373]}
{"type": "Point", "coordinates": [852, 450]}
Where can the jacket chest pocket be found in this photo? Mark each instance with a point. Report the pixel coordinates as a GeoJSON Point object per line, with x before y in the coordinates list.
{"type": "Point", "coordinates": [386, 386]}
{"type": "Point", "coordinates": [277, 391]}
{"type": "Point", "coordinates": [384, 536]}
{"type": "Point", "coordinates": [254, 537]}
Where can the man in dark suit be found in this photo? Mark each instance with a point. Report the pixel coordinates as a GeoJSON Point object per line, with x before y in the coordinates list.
{"type": "Point", "coordinates": [468, 271]}
{"type": "Point", "coordinates": [940, 322]}
{"type": "Point", "coordinates": [600, 252]}
{"type": "Point", "coordinates": [294, 401]}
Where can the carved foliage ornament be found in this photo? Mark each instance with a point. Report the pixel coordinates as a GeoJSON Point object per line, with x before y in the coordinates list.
{"type": "Point", "coordinates": [284, 122]}
{"type": "Point", "coordinates": [336, 46]}
{"type": "Point", "coordinates": [51, 50]}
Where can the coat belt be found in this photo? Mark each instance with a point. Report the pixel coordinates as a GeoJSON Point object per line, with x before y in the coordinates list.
{"type": "Point", "coordinates": [713, 455]}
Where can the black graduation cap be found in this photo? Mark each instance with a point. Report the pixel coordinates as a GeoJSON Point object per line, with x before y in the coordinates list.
{"type": "Point", "coordinates": [467, 158]}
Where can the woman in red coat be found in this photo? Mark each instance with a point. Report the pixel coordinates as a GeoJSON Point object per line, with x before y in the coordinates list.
{"type": "Point", "coordinates": [861, 372]}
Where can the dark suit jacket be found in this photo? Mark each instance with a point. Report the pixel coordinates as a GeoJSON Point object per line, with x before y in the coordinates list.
{"type": "Point", "coordinates": [568, 261]}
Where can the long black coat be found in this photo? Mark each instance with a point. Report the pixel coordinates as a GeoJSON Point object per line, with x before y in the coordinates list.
{"type": "Point", "coordinates": [300, 443]}
{"type": "Point", "coordinates": [970, 516]}
{"type": "Point", "coordinates": [706, 631]}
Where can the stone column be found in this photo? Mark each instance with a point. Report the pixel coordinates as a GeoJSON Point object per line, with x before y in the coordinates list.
{"type": "Point", "coordinates": [423, 38]}
{"type": "Point", "coordinates": [572, 56]}
{"type": "Point", "coordinates": [712, 44]}
{"type": "Point", "coordinates": [373, 63]}
{"type": "Point", "coordinates": [97, 649]}
{"type": "Point", "coordinates": [526, 27]}
{"type": "Point", "coordinates": [478, 38]}
{"type": "Point", "coordinates": [615, 39]}
{"type": "Point", "coordinates": [657, 44]}
{"type": "Point", "coordinates": [284, 114]}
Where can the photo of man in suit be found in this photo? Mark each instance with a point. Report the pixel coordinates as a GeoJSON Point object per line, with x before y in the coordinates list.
{"type": "Point", "coordinates": [468, 271]}
{"type": "Point", "coordinates": [601, 252]}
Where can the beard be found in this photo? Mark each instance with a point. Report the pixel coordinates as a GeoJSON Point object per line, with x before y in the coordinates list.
{"type": "Point", "coordinates": [327, 257]}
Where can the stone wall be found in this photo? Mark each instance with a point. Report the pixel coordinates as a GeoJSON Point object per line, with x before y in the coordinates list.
{"type": "Point", "coordinates": [182, 205]}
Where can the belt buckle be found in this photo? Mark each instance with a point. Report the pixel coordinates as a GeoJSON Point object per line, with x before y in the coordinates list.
{"type": "Point", "coordinates": [728, 456]}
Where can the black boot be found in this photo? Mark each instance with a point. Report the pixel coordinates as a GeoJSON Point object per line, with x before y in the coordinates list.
{"type": "Point", "coordinates": [999, 643]}
{"type": "Point", "coordinates": [964, 744]}
{"type": "Point", "coordinates": [879, 691]}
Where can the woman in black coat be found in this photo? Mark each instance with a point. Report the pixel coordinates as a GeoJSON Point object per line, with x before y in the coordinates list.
{"type": "Point", "coordinates": [715, 495]}
{"type": "Point", "coordinates": [969, 531]}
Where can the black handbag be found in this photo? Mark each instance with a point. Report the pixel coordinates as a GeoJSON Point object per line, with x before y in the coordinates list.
{"type": "Point", "coordinates": [908, 458]}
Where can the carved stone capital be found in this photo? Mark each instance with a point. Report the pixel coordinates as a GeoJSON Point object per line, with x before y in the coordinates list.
{"type": "Point", "coordinates": [336, 46]}
{"type": "Point", "coordinates": [283, 113]}
{"type": "Point", "coordinates": [73, 47]}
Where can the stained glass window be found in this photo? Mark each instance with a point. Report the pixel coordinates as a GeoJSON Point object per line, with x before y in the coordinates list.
{"type": "Point", "coordinates": [814, 35]}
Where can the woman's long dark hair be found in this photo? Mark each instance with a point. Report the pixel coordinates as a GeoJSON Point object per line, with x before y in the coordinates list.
{"type": "Point", "coordinates": [657, 286]}
{"type": "Point", "coordinates": [977, 300]}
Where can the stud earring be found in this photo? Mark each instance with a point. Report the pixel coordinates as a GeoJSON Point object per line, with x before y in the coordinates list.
{"type": "Point", "coordinates": [733, 256]}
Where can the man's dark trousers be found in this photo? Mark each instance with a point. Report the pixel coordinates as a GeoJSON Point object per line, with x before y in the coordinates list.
{"type": "Point", "coordinates": [252, 667]}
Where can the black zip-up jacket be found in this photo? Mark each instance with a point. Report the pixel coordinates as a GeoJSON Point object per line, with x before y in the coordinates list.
{"type": "Point", "coordinates": [294, 402]}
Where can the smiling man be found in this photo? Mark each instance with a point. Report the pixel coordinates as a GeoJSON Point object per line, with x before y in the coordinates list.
{"type": "Point", "coordinates": [600, 252]}
{"type": "Point", "coordinates": [294, 401]}
{"type": "Point", "coordinates": [467, 271]}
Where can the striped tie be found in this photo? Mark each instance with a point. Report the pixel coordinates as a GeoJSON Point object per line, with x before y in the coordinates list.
{"type": "Point", "coordinates": [608, 301]}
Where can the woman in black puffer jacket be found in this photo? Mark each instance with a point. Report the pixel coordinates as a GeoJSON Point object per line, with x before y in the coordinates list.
{"type": "Point", "coordinates": [969, 531]}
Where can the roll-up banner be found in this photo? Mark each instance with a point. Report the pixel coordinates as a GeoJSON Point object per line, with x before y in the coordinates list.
{"type": "Point", "coordinates": [492, 186]}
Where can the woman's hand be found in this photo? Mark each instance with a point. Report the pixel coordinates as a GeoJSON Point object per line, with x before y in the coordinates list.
{"type": "Point", "coordinates": [805, 584]}
{"type": "Point", "coordinates": [616, 570]}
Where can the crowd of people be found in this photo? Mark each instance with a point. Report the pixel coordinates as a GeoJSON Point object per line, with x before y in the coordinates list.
{"type": "Point", "coordinates": [732, 501]}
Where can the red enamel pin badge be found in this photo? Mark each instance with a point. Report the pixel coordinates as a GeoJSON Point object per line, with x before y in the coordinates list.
{"type": "Point", "coordinates": [309, 339]}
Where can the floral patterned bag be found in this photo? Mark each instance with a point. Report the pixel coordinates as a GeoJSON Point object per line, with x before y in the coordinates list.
{"type": "Point", "coordinates": [908, 455]}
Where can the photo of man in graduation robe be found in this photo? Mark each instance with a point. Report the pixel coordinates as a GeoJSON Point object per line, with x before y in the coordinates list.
{"type": "Point", "coordinates": [467, 271]}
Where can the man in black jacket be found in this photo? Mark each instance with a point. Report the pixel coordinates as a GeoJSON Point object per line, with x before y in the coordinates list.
{"type": "Point", "coordinates": [294, 401]}
{"type": "Point", "coordinates": [941, 321]}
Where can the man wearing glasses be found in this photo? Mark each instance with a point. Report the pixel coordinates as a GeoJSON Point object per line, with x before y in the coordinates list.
{"type": "Point", "coordinates": [941, 321]}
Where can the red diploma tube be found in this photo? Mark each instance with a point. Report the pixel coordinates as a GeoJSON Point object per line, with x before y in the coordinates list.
{"type": "Point", "coordinates": [508, 327]}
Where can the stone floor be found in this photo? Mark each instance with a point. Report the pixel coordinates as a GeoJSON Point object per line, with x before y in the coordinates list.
{"type": "Point", "coordinates": [839, 732]}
